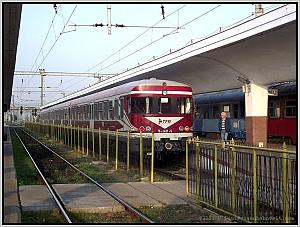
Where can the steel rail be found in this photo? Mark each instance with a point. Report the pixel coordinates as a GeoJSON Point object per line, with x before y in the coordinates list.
{"type": "Point", "coordinates": [52, 191]}
{"type": "Point", "coordinates": [143, 218]}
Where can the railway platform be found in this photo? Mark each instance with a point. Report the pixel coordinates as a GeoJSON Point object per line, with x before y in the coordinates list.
{"type": "Point", "coordinates": [88, 198]}
{"type": "Point", "coordinates": [12, 213]}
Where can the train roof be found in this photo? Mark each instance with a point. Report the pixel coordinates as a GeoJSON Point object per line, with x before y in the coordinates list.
{"type": "Point", "coordinates": [219, 97]}
{"type": "Point", "coordinates": [235, 95]}
{"type": "Point", "coordinates": [113, 91]}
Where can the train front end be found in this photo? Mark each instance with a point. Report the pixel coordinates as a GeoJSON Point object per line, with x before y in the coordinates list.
{"type": "Point", "coordinates": [165, 108]}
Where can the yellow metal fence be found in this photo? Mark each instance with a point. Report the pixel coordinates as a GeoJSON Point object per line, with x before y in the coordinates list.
{"type": "Point", "coordinates": [252, 183]}
{"type": "Point", "coordinates": [117, 149]}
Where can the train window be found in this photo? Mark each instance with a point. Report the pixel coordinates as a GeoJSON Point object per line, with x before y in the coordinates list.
{"type": "Point", "coordinates": [274, 108]}
{"type": "Point", "coordinates": [110, 110]}
{"type": "Point", "coordinates": [138, 105]}
{"type": "Point", "coordinates": [226, 109]}
{"type": "Point", "coordinates": [235, 111]}
{"type": "Point", "coordinates": [242, 106]}
{"type": "Point", "coordinates": [105, 111]}
{"type": "Point", "coordinates": [291, 108]}
{"type": "Point", "coordinates": [96, 117]}
{"type": "Point", "coordinates": [206, 115]}
{"type": "Point", "coordinates": [121, 109]}
{"type": "Point", "coordinates": [215, 112]}
{"type": "Point", "coordinates": [100, 109]}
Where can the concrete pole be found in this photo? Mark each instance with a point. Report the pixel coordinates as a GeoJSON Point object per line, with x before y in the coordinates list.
{"type": "Point", "coordinates": [256, 104]}
{"type": "Point", "coordinates": [42, 72]}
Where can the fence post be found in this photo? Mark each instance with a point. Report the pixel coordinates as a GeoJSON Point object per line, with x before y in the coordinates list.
{"type": "Point", "coordinates": [285, 185]}
{"type": "Point", "coordinates": [117, 147]}
{"type": "Point", "coordinates": [197, 167]}
{"type": "Point", "coordinates": [82, 138]}
{"type": "Point", "coordinates": [100, 147]}
{"type": "Point", "coordinates": [128, 142]}
{"type": "Point", "coordinates": [233, 177]}
{"type": "Point", "coordinates": [152, 158]}
{"type": "Point", "coordinates": [87, 140]}
{"type": "Point", "coordinates": [254, 186]}
{"type": "Point", "coordinates": [65, 134]}
{"type": "Point", "coordinates": [187, 167]}
{"type": "Point", "coordinates": [78, 138]}
{"type": "Point", "coordinates": [93, 138]}
{"type": "Point", "coordinates": [107, 146]}
{"type": "Point", "coordinates": [71, 136]}
{"type": "Point", "coordinates": [141, 155]}
{"type": "Point", "coordinates": [216, 176]}
{"type": "Point", "coordinates": [74, 139]}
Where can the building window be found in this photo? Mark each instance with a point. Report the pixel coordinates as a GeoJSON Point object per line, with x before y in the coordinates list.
{"type": "Point", "coordinates": [291, 108]}
{"type": "Point", "coordinates": [274, 108]}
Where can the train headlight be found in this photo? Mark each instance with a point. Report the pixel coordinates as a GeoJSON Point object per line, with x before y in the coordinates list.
{"type": "Point", "coordinates": [186, 128]}
{"type": "Point", "coordinates": [148, 129]}
{"type": "Point", "coordinates": [180, 128]}
{"type": "Point", "coordinates": [168, 146]}
{"type": "Point", "coordinates": [142, 129]}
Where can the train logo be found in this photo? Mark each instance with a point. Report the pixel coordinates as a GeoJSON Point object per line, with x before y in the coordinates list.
{"type": "Point", "coordinates": [164, 122]}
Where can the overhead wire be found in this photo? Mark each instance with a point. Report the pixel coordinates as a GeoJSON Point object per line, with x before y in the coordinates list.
{"type": "Point", "coordinates": [49, 51]}
{"type": "Point", "coordinates": [126, 45]}
{"type": "Point", "coordinates": [162, 37]}
{"type": "Point", "coordinates": [41, 49]}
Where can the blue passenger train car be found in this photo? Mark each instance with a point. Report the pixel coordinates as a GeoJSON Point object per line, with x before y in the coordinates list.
{"type": "Point", "coordinates": [207, 112]}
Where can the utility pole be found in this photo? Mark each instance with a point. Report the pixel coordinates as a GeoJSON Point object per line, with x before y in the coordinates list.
{"type": "Point", "coordinates": [42, 72]}
{"type": "Point", "coordinates": [109, 19]}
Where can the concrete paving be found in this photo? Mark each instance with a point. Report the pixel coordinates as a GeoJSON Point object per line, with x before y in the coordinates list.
{"type": "Point", "coordinates": [89, 198]}
{"type": "Point", "coordinates": [12, 212]}
{"type": "Point", "coordinates": [161, 195]}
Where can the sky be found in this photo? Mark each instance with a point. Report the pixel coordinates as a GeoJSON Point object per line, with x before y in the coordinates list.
{"type": "Point", "coordinates": [87, 49]}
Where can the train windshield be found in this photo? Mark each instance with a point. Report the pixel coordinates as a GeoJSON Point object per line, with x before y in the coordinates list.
{"type": "Point", "coordinates": [160, 105]}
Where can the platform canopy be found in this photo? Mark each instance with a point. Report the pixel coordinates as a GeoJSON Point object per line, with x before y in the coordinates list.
{"type": "Point", "coordinates": [261, 50]}
{"type": "Point", "coordinates": [11, 25]}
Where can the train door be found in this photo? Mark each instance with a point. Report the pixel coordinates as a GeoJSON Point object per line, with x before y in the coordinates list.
{"type": "Point", "coordinates": [91, 109]}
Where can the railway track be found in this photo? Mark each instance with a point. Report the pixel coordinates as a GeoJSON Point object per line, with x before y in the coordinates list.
{"type": "Point", "coordinates": [42, 157]}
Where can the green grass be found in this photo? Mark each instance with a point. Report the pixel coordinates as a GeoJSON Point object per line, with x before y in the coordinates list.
{"type": "Point", "coordinates": [180, 214]}
{"type": "Point", "coordinates": [41, 217]}
{"type": "Point", "coordinates": [26, 172]}
{"type": "Point", "coordinates": [53, 217]}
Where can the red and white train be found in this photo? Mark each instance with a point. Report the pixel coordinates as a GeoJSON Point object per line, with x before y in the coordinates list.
{"type": "Point", "coordinates": [161, 106]}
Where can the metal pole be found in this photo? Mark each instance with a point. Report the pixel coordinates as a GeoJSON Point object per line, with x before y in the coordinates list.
{"type": "Point", "coordinates": [87, 140]}
{"type": "Point", "coordinates": [152, 158]}
{"type": "Point", "coordinates": [128, 144]}
{"type": "Point", "coordinates": [100, 147]}
{"type": "Point", "coordinates": [285, 185]}
{"type": "Point", "coordinates": [82, 137]}
{"type": "Point", "coordinates": [254, 187]}
{"type": "Point", "coordinates": [233, 177]}
{"type": "Point", "coordinates": [141, 155]}
{"type": "Point", "coordinates": [187, 167]}
{"type": "Point", "coordinates": [197, 167]}
{"type": "Point", "coordinates": [216, 176]}
{"type": "Point", "coordinates": [78, 138]}
{"type": "Point", "coordinates": [117, 147]}
{"type": "Point", "coordinates": [107, 146]}
{"type": "Point", "coordinates": [93, 137]}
